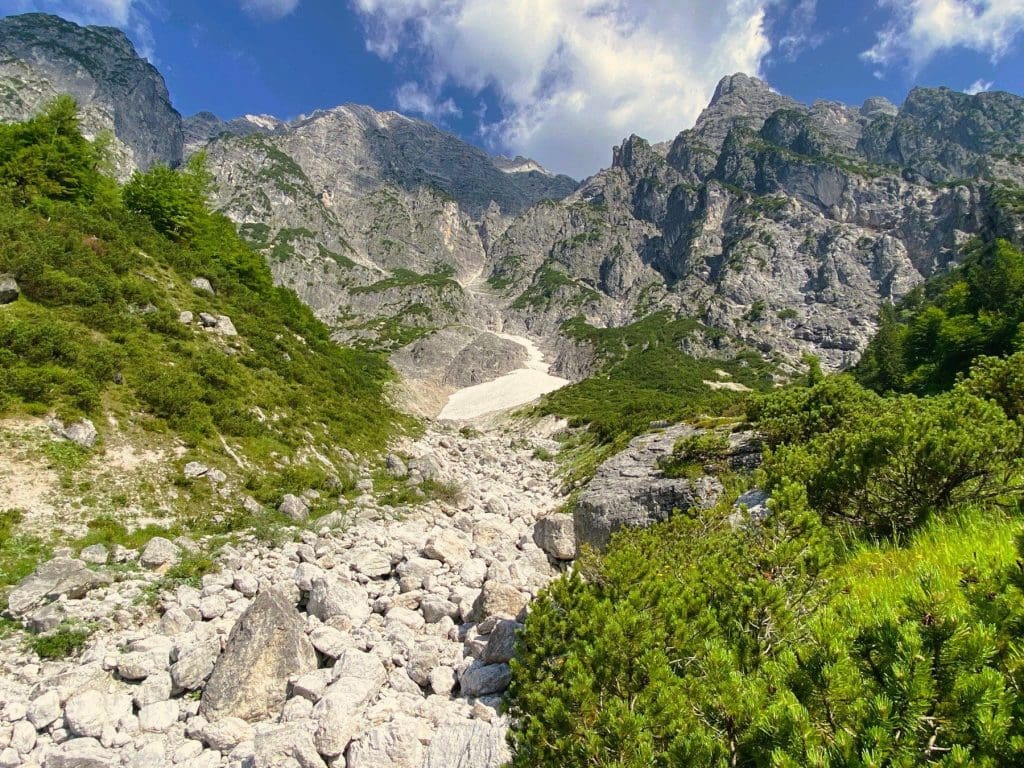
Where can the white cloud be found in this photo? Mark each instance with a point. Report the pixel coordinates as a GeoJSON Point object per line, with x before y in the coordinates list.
{"type": "Point", "coordinates": [979, 86]}
{"type": "Point", "coordinates": [799, 31]}
{"type": "Point", "coordinates": [413, 99]}
{"type": "Point", "coordinates": [920, 29]}
{"type": "Point", "coordinates": [573, 77]}
{"type": "Point", "coordinates": [271, 10]}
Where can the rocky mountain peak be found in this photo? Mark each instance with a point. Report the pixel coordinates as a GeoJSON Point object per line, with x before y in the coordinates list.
{"type": "Point", "coordinates": [42, 56]}
{"type": "Point", "coordinates": [738, 99]}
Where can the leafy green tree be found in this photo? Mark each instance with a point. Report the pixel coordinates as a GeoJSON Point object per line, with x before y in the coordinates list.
{"type": "Point", "coordinates": [934, 335]}
{"type": "Point", "coordinates": [47, 157]}
{"type": "Point", "coordinates": [174, 201]}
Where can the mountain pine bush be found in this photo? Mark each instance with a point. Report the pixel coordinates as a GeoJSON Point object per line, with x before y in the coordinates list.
{"type": "Point", "coordinates": [874, 620]}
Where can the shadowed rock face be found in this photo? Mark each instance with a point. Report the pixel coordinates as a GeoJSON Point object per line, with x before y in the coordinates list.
{"type": "Point", "coordinates": [42, 56]}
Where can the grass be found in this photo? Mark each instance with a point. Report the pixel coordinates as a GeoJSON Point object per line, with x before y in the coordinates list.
{"type": "Point", "coordinates": [396, 492]}
{"type": "Point", "coordinates": [189, 571]}
{"type": "Point", "coordinates": [550, 279]}
{"type": "Point", "coordinates": [944, 552]}
{"type": "Point", "coordinates": [542, 453]}
{"type": "Point", "coordinates": [404, 278]}
{"type": "Point", "coordinates": [20, 553]}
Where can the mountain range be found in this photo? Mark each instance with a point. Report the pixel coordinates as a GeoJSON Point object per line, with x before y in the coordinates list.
{"type": "Point", "coordinates": [783, 227]}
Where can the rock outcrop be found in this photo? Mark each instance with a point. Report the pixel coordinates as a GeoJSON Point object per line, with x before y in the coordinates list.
{"type": "Point", "coordinates": [631, 490]}
{"type": "Point", "coordinates": [267, 646]}
{"type": "Point", "coordinates": [43, 56]}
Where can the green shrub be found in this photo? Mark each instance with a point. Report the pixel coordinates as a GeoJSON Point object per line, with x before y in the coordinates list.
{"type": "Point", "coordinates": [690, 454]}
{"type": "Point", "coordinates": [103, 280]}
{"type": "Point", "coordinates": [935, 334]}
{"type": "Point", "coordinates": [67, 640]}
{"type": "Point", "coordinates": [888, 468]}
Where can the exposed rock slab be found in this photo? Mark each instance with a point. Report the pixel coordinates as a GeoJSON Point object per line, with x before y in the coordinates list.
{"type": "Point", "coordinates": [60, 576]}
{"type": "Point", "coordinates": [266, 647]}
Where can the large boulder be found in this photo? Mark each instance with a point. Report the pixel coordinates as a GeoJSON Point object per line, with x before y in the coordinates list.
{"type": "Point", "coordinates": [332, 596]}
{"type": "Point", "coordinates": [81, 433]}
{"type": "Point", "coordinates": [60, 576]}
{"type": "Point", "coordinates": [9, 290]}
{"type": "Point", "coordinates": [499, 599]}
{"type": "Point", "coordinates": [468, 745]}
{"type": "Point", "coordinates": [483, 679]}
{"type": "Point", "coordinates": [265, 648]}
{"type": "Point", "coordinates": [556, 536]}
{"type": "Point", "coordinates": [397, 744]}
{"type": "Point", "coordinates": [159, 553]}
{"type": "Point", "coordinates": [630, 491]}
{"type": "Point", "coordinates": [89, 712]}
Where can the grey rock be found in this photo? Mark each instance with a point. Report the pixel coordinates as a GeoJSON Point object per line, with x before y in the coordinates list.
{"type": "Point", "coordinates": [81, 753]}
{"type": "Point", "coordinates": [485, 358]}
{"type": "Point", "coordinates": [9, 290]}
{"type": "Point", "coordinates": [751, 508]}
{"type": "Point", "coordinates": [395, 466]}
{"type": "Point", "coordinates": [468, 745]}
{"type": "Point", "coordinates": [285, 744]}
{"type": "Point", "coordinates": [114, 87]}
{"type": "Point", "coordinates": [442, 680]}
{"type": "Point", "coordinates": [81, 433]}
{"type": "Point", "coordinates": [89, 712]}
{"type": "Point", "coordinates": [60, 576]}
{"type": "Point", "coordinates": [499, 599]}
{"type": "Point", "coordinates": [158, 717]}
{"type": "Point", "coordinates": [501, 643]}
{"type": "Point", "coordinates": [629, 490]}
{"type": "Point", "coordinates": [392, 745]}
{"type": "Point", "coordinates": [95, 554]}
{"type": "Point", "coordinates": [332, 596]}
{"type": "Point", "coordinates": [358, 676]}
{"type": "Point", "coordinates": [138, 665]}
{"type": "Point", "coordinates": [224, 326]}
{"type": "Point", "coordinates": [44, 709]}
{"type": "Point", "coordinates": [47, 618]}
{"type": "Point", "coordinates": [195, 469]}
{"type": "Point", "coordinates": [156, 687]}
{"type": "Point", "coordinates": [225, 734]}
{"type": "Point", "coordinates": [447, 547]}
{"type": "Point", "coordinates": [23, 737]}
{"type": "Point", "coordinates": [371, 561]}
{"type": "Point", "coordinates": [159, 553]}
{"type": "Point", "coordinates": [293, 507]}
{"type": "Point", "coordinates": [195, 664]}
{"type": "Point", "coordinates": [555, 535]}
{"type": "Point", "coordinates": [330, 641]}
{"type": "Point", "coordinates": [436, 608]}
{"type": "Point", "coordinates": [482, 679]}
{"type": "Point", "coordinates": [265, 648]}
{"type": "Point", "coordinates": [203, 285]}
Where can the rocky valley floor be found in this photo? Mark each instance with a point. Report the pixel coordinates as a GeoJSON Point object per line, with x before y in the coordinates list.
{"type": "Point", "coordinates": [384, 642]}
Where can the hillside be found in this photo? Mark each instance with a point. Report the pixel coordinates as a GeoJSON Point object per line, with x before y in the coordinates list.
{"type": "Point", "coordinates": [143, 320]}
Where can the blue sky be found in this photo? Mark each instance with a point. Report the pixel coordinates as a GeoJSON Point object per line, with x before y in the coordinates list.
{"type": "Point", "coordinates": [557, 80]}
